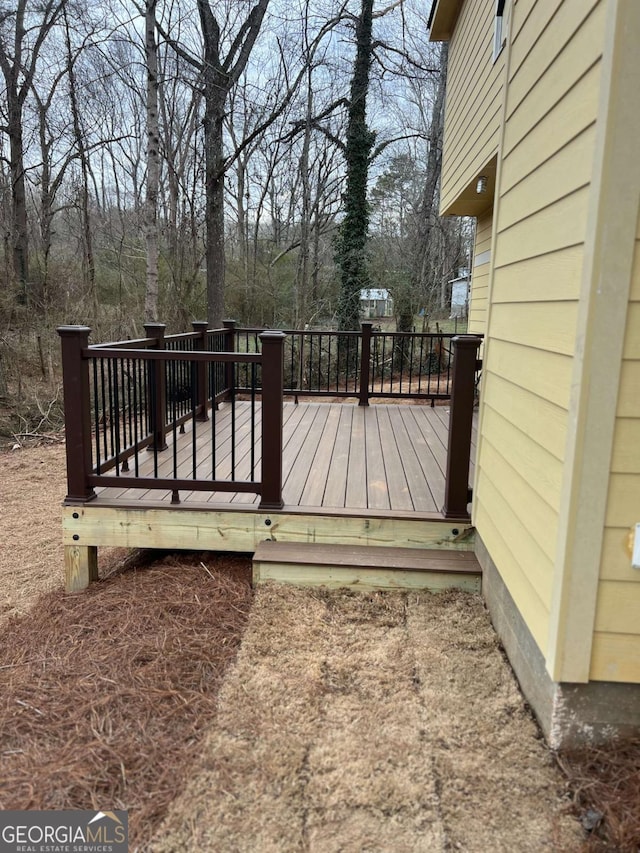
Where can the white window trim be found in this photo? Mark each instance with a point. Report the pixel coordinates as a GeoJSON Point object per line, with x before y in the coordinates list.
{"type": "Point", "coordinates": [500, 33]}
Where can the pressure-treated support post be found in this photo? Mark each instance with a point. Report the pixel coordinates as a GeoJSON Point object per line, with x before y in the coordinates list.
{"type": "Point", "coordinates": [230, 346]}
{"type": "Point", "coordinates": [77, 412]}
{"type": "Point", "coordinates": [200, 345]}
{"type": "Point", "coordinates": [272, 400]}
{"type": "Point", "coordinates": [80, 566]}
{"type": "Point", "coordinates": [365, 362]}
{"type": "Point", "coordinates": [157, 388]}
{"type": "Point", "coordinates": [456, 494]}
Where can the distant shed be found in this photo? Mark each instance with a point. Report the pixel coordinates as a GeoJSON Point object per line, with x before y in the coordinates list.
{"type": "Point", "coordinates": [376, 302]}
{"type": "Point", "coordinates": [460, 296]}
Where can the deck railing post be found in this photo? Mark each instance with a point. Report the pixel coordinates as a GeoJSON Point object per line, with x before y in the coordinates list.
{"type": "Point", "coordinates": [272, 400]}
{"type": "Point", "coordinates": [200, 345]}
{"type": "Point", "coordinates": [456, 495]}
{"type": "Point", "coordinates": [230, 346]}
{"type": "Point", "coordinates": [365, 363]}
{"type": "Point", "coordinates": [157, 388]}
{"type": "Point", "coordinates": [77, 412]}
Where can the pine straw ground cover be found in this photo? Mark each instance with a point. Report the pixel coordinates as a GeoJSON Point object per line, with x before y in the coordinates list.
{"type": "Point", "coordinates": [605, 788]}
{"type": "Point", "coordinates": [105, 696]}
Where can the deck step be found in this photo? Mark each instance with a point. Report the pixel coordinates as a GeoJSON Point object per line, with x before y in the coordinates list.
{"type": "Point", "coordinates": [364, 567]}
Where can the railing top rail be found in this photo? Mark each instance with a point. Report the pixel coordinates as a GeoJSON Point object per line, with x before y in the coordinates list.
{"type": "Point", "coordinates": [252, 331]}
{"type": "Point", "coordinates": [170, 355]}
{"type": "Point", "coordinates": [136, 343]}
{"type": "Point", "coordinates": [356, 332]}
{"type": "Point", "coordinates": [143, 343]}
{"type": "Point", "coordinates": [380, 332]}
{"type": "Point", "coordinates": [183, 336]}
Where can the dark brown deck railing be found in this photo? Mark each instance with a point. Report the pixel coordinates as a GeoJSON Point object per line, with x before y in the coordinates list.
{"type": "Point", "coordinates": [368, 364]}
{"type": "Point", "coordinates": [465, 377]}
{"type": "Point", "coordinates": [126, 398]}
{"type": "Point", "coordinates": [130, 397]}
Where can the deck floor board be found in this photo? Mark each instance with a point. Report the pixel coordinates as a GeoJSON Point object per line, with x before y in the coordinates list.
{"type": "Point", "coordinates": [338, 456]}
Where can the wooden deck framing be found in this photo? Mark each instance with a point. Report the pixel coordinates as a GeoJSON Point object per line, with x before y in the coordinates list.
{"type": "Point", "coordinates": [355, 476]}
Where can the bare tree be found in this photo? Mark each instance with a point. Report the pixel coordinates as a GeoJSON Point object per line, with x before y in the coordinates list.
{"type": "Point", "coordinates": [219, 75]}
{"type": "Point", "coordinates": [23, 31]}
{"type": "Point", "coordinates": [427, 213]}
{"type": "Point", "coordinates": [153, 165]}
{"type": "Point", "coordinates": [88, 259]}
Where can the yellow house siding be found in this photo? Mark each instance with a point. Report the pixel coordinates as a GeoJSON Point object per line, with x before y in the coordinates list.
{"type": "Point", "coordinates": [595, 630]}
{"type": "Point", "coordinates": [521, 587]}
{"type": "Point", "coordinates": [514, 404]}
{"type": "Point", "coordinates": [474, 100]}
{"type": "Point", "coordinates": [534, 371]}
{"type": "Point", "coordinates": [566, 172]}
{"type": "Point", "coordinates": [616, 644]}
{"type": "Point", "coordinates": [558, 127]}
{"type": "Point", "coordinates": [615, 658]}
{"type": "Point", "coordinates": [542, 200]}
{"type": "Point", "coordinates": [537, 278]}
{"type": "Point", "coordinates": [539, 522]}
{"type": "Point", "coordinates": [540, 470]}
{"type": "Point", "coordinates": [554, 227]}
{"type": "Point", "coordinates": [567, 46]}
{"type": "Point", "coordinates": [480, 275]}
{"type": "Point", "coordinates": [552, 331]}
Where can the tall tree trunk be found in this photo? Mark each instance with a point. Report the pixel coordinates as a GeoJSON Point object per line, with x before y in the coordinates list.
{"type": "Point", "coordinates": [302, 273]}
{"type": "Point", "coordinates": [20, 229]}
{"type": "Point", "coordinates": [427, 211]}
{"type": "Point", "coordinates": [214, 202]}
{"type": "Point", "coordinates": [350, 255]}
{"type": "Point", "coordinates": [153, 166]}
{"type": "Point", "coordinates": [219, 78]}
{"type": "Point", "coordinates": [46, 207]}
{"type": "Point", "coordinates": [88, 259]}
{"type": "Point", "coordinates": [18, 65]}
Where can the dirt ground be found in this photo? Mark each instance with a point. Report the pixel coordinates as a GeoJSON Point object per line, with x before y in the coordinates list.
{"type": "Point", "coordinates": [32, 488]}
{"type": "Point", "coordinates": [348, 722]}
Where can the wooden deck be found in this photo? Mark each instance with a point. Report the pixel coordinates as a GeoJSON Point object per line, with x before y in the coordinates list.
{"type": "Point", "coordinates": [354, 477]}
{"type": "Point", "coordinates": [337, 456]}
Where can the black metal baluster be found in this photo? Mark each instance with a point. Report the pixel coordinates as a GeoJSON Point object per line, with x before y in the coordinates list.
{"type": "Point", "coordinates": [194, 404]}
{"type": "Point", "coordinates": [214, 415]}
{"type": "Point", "coordinates": [253, 419]}
{"type": "Point", "coordinates": [136, 415]}
{"type": "Point", "coordinates": [111, 414]}
{"type": "Point", "coordinates": [233, 423]}
{"type": "Point", "coordinates": [174, 418]}
{"type": "Point", "coordinates": [105, 415]}
{"type": "Point", "coordinates": [96, 413]}
{"type": "Point", "coordinates": [154, 427]}
{"type": "Point", "coordinates": [116, 406]}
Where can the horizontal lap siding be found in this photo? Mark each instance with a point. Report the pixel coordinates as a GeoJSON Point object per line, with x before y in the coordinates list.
{"type": "Point", "coordinates": [543, 196]}
{"type": "Point", "coordinates": [480, 275]}
{"type": "Point", "coordinates": [474, 100]}
{"type": "Point", "coordinates": [616, 646]}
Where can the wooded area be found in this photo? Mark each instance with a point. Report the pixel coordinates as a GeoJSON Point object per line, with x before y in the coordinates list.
{"type": "Point", "coordinates": [173, 161]}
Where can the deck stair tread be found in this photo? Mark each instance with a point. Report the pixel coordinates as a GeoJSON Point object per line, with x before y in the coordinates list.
{"type": "Point", "coordinates": [365, 567]}
{"type": "Point", "coordinates": [409, 559]}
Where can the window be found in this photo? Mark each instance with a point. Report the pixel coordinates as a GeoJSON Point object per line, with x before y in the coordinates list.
{"type": "Point", "coordinates": [500, 32]}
